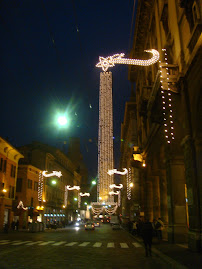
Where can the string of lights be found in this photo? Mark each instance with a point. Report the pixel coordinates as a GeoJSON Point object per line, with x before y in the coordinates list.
{"type": "Point", "coordinates": [105, 137]}
{"type": "Point", "coordinates": [128, 182]}
{"type": "Point", "coordinates": [166, 99]}
{"type": "Point", "coordinates": [110, 61]}
{"type": "Point", "coordinates": [40, 187]}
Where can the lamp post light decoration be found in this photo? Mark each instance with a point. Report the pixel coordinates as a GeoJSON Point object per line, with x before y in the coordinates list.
{"type": "Point", "coordinates": [110, 61]}
{"type": "Point", "coordinates": [119, 196]}
{"type": "Point", "coordinates": [82, 195]}
{"type": "Point", "coordinates": [120, 186]}
{"type": "Point", "coordinates": [115, 171]}
{"type": "Point", "coordinates": [69, 188]}
{"type": "Point", "coordinates": [43, 174]}
{"type": "Point", "coordinates": [20, 205]}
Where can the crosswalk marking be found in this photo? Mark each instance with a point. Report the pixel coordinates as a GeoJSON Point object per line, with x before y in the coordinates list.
{"type": "Point", "coordinates": [97, 245]}
{"type": "Point", "coordinates": [34, 243]}
{"type": "Point", "coordinates": [84, 244]}
{"type": "Point", "coordinates": [20, 243]}
{"type": "Point", "coordinates": [46, 243]}
{"type": "Point", "coordinates": [182, 245]}
{"type": "Point", "coordinates": [5, 243]}
{"type": "Point", "coordinates": [137, 245]}
{"type": "Point", "coordinates": [71, 244]}
{"type": "Point", "coordinates": [124, 245]}
{"type": "Point", "coordinates": [59, 243]}
{"type": "Point", "coordinates": [110, 245]}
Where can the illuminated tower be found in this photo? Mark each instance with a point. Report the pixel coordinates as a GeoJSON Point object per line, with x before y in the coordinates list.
{"type": "Point", "coordinates": [105, 138]}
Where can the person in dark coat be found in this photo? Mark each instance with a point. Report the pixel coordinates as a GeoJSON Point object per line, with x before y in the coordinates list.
{"type": "Point", "coordinates": [147, 233]}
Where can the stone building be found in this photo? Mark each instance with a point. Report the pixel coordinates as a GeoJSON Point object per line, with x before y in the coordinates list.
{"type": "Point", "coordinates": [168, 116]}
{"type": "Point", "coordinates": [26, 205]}
{"type": "Point", "coordinates": [40, 157]}
{"type": "Point", "coordinates": [9, 157]}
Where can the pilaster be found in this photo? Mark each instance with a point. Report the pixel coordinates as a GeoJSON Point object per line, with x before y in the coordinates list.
{"type": "Point", "coordinates": [177, 225]}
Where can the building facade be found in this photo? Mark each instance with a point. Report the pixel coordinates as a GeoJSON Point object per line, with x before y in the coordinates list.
{"type": "Point", "coordinates": [49, 203]}
{"type": "Point", "coordinates": [168, 117]}
{"type": "Point", "coordinates": [9, 157]}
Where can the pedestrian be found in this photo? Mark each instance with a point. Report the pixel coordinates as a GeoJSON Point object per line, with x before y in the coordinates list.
{"type": "Point", "coordinates": [154, 227]}
{"type": "Point", "coordinates": [13, 225]}
{"type": "Point", "coordinates": [134, 231]}
{"type": "Point", "coordinates": [139, 226]}
{"type": "Point", "coordinates": [130, 226]}
{"type": "Point", "coordinates": [159, 227]}
{"type": "Point", "coordinates": [147, 233]}
{"type": "Point", "coordinates": [6, 226]}
{"type": "Point", "coordinates": [17, 225]}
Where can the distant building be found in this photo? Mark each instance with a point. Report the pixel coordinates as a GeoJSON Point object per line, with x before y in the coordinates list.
{"type": "Point", "coordinates": [168, 102]}
{"type": "Point", "coordinates": [27, 208]}
{"type": "Point", "coordinates": [9, 157]}
{"type": "Point", "coordinates": [51, 208]}
{"type": "Point", "coordinates": [74, 154]}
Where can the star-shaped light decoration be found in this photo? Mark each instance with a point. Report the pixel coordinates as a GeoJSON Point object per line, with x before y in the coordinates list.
{"type": "Point", "coordinates": [110, 61]}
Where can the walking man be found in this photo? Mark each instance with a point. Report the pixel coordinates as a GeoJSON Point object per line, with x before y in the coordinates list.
{"type": "Point", "coordinates": [147, 233]}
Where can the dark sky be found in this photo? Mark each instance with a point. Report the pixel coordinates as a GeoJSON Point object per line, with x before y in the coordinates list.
{"type": "Point", "coordinates": [48, 52]}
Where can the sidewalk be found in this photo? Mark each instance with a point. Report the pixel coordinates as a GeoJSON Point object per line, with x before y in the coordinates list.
{"type": "Point", "coordinates": [177, 255]}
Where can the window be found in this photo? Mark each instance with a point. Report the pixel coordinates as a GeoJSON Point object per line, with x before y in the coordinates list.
{"type": "Point", "coordinates": [35, 186]}
{"type": "Point", "coordinates": [1, 164]}
{"type": "Point", "coordinates": [32, 201]}
{"type": "Point", "coordinates": [195, 13]}
{"type": "Point", "coordinates": [19, 185]}
{"type": "Point", "coordinates": [5, 165]}
{"type": "Point", "coordinates": [13, 168]}
{"type": "Point", "coordinates": [29, 184]}
{"type": "Point", "coordinates": [11, 192]}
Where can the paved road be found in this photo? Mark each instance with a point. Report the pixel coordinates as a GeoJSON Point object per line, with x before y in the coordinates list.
{"type": "Point", "coordinates": [69, 248]}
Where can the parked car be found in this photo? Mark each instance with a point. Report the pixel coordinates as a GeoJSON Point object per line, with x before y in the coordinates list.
{"type": "Point", "coordinates": [89, 226]}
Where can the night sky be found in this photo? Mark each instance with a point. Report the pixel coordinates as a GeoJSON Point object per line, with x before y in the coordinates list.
{"type": "Point", "coordinates": [49, 49]}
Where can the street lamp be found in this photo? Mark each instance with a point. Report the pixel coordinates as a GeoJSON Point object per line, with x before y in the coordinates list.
{"type": "Point", "coordinates": [94, 182]}
{"type": "Point", "coordinates": [62, 120]}
{"type": "Point", "coordinates": [53, 182]}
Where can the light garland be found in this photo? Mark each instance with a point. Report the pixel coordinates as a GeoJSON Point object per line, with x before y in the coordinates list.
{"type": "Point", "coordinates": [114, 171]}
{"type": "Point", "coordinates": [72, 188]}
{"type": "Point", "coordinates": [20, 205]}
{"type": "Point", "coordinates": [79, 200]}
{"type": "Point", "coordinates": [110, 61]}
{"type": "Point", "coordinates": [166, 101]}
{"type": "Point", "coordinates": [54, 173]}
{"type": "Point", "coordinates": [65, 196]}
{"type": "Point", "coordinates": [84, 194]}
{"type": "Point", "coordinates": [40, 186]}
{"type": "Point", "coordinates": [112, 186]}
{"type": "Point", "coordinates": [114, 192]}
{"type": "Point", "coordinates": [128, 182]}
{"type": "Point", "coordinates": [112, 211]}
